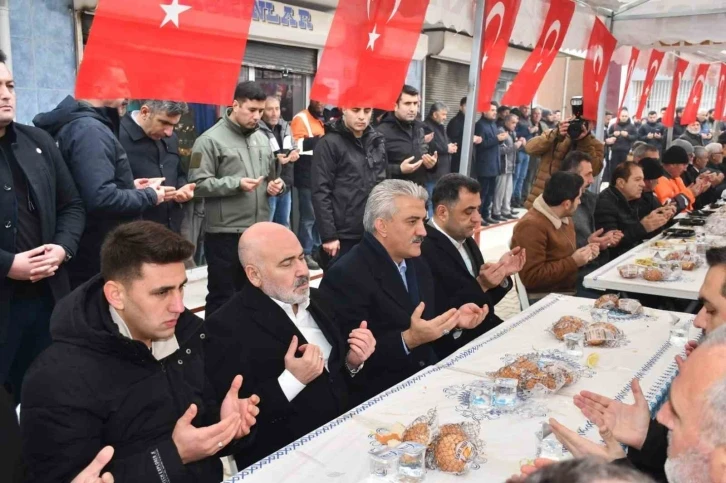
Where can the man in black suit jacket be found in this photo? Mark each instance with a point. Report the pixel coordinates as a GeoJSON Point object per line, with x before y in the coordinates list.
{"type": "Point", "coordinates": [459, 271]}
{"type": "Point", "coordinates": [384, 281]}
{"type": "Point", "coordinates": [283, 337]}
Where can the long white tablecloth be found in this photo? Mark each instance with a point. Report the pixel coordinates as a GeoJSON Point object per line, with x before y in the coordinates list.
{"type": "Point", "coordinates": [337, 452]}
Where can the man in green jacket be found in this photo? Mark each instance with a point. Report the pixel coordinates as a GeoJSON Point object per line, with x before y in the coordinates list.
{"type": "Point", "coordinates": [234, 169]}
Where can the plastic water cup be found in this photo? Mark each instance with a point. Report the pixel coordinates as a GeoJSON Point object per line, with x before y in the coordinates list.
{"type": "Point", "coordinates": [679, 335]}
{"type": "Point", "coordinates": [575, 344]}
{"type": "Point", "coordinates": [480, 396]}
{"type": "Point", "coordinates": [505, 391]}
{"type": "Point", "coordinates": [383, 464]}
{"type": "Point", "coordinates": [412, 462]}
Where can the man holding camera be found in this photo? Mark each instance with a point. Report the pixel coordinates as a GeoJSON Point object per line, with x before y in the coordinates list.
{"type": "Point", "coordinates": [554, 144]}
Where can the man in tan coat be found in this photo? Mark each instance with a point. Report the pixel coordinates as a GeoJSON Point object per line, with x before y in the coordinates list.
{"type": "Point", "coordinates": [553, 145]}
{"type": "Point", "coordinates": [547, 233]}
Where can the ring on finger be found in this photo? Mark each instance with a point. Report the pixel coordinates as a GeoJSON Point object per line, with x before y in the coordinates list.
{"type": "Point", "coordinates": [220, 444]}
{"type": "Point", "coordinates": [445, 332]}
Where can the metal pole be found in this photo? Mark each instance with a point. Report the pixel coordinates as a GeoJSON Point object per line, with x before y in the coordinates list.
{"type": "Point", "coordinates": [600, 129]}
{"type": "Point", "coordinates": [564, 88]}
{"type": "Point", "coordinates": [471, 100]}
{"type": "Point", "coordinates": [5, 32]}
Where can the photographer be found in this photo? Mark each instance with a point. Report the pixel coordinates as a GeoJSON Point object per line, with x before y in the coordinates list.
{"type": "Point", "coordinates": [553, 145]}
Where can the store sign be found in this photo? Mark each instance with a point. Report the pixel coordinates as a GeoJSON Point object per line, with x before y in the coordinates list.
{"type": "Point", "coordinates": [265, 12]}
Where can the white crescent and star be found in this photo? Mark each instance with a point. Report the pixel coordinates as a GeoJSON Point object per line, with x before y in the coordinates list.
{"type": "Point", "coordinates": [720, 88]}
{"type": "Point", "coordinates": [373, 35]}
{"type": "Point", "coordinates": [700, 79]}
{"type": "Point", "coordinates": [498, 10]}
{"type": "Point", "coordinates": [555, 27]}
{"type": "Point", "coordinates": [656, 64]}
{"type": "Point", "coordinates": [597, 64]}
{"type": "Point", "coordinates": [172, 12]}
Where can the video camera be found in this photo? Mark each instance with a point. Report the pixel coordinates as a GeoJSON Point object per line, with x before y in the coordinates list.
{"type": "Point", "coordinates": [575, 129]}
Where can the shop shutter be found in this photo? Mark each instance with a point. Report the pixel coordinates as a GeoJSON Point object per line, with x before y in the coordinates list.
{"type": "Point", "coordinates": [280, 57]}
{"type": "Point", "coordinates": [446, 82]}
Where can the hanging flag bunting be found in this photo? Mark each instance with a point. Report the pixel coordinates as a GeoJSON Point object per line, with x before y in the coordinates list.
{"type": "Point", "coordinates": [599, 52]}
{"type": "Point", "coordinates": [656, 60]}
{"type": "Point", "coordinates": [668, 119]}
{"type": "Point", "coordinates": [180, 50]}
{"type": "Point", "coordinates": [719, 113]}
{"type": "Point", "coordinates": [499, 18]}
{"type": "Point", "coordinates": [529, 78]}
{"type": "Point", "coordinates": [634, 54]}
{"type": "Point", "coordinates": [694, 98]}
{"type": "Point", "coordinates": [368, 51]}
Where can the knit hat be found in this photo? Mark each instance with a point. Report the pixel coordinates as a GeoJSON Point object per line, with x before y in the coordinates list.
{"type": "Point", "coordinates": [652, 169]}
{"type": "Point", "coordinates": [546, 112]}
{"type": "Point", "coordinates": [675, 155]}
{"type": "Point", "coordinates": [714, 148]}
{"type": "Point", "coordinates": [683, 144]}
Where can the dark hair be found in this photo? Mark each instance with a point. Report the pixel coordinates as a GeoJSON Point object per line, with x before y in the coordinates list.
{"type": "Point", "coordinates": [511, 116]}
{"type": "Point", "coordinates": [679, 110]}
{"type": "Point", "coordinates": [501, 109]}
{"type": "Point", "coordinates": [608, 113]}
{"type": "Point", "coordinates": [711, 111]}
{"type": "Point", "coordinates": [408, 90]}
{"type": "Point", "coordinates": [573, 159]}
{"type": "Point", "coordinates": [561, 187]}
{"type": "Point", "coordinates": [462, 102]}
{"type": "Point", "coordinates": [663, 108]}
{"type": "Point", "coordinates": [249, 91]}
{"type": "Point", "coordinates": [3, 57]}
{"type": "Point", "coordinates": [716, 257]}
{"type": "Point", "coordinates": [623, 170]}
{"type": "Point", "coordinates": [586, 470]}
{"type": "Point", "coordinates": [494, 103]}
{"type": "Point", "coordinates": [446, 191]}
{"type": "Point", "coordinates": [556, 111]}
{"type": "Point", "coordinates": [652, 113]}
{"type": "Point", "coordinates": [129, 246]}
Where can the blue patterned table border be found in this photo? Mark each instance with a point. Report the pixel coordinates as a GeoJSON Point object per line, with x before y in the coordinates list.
{"type": "Point", "coordinates": [533, 311]}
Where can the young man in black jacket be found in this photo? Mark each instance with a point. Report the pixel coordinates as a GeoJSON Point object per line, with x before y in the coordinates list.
{"type": "Point", "coordinates": [406, 148]}
{"type": "Point", "coordinates": [86, 132]}
{"type": "Point", "coordinates": [440, 146]}
{"type": "Point", "coordinates": [283, 336]}
{"type": "Point", "coordinates": [152, 146]}
{"type": "Point", "coordinates": [653, 133]}
{"type": "Point", "coordinates": [460, 274]}
{"type": "Point", "coordinates": [349, 161]}
{"type": "Point", "coordinates": [126, 368]}
{"type": "Point", "coordinates": [42, 221]}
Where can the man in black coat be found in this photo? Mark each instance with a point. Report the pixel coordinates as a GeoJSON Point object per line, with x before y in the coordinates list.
{"type": "Point", "coordinates": [348, 162]}
{"type": "Point", "coordinates": [488, 159]}
{"type": "Point", "coordinates": [455, 131]}
{"type": "Point", "coordinates": [384, 281]}
{"type": "Point", "coordinates": [460, 274]}
{"type": "Point", "coordinates": [152, 146]}
{"type": "Point", "coordinates": [617, 209]}
{"type": "Point", "coordinates": [42, 219]}
{"type": "Point", "coordinates": [86, 132]}
{"type": "Point", "coordinates": [653, 133]}
{"type": "Point", "coordinates": [126, 369]}
{"type": "Point", "coordinates": [285, 339]}
{"type": "Point", "coordinates": [406, 148]}
{"type": "Point", "coordinates": [440, 146]}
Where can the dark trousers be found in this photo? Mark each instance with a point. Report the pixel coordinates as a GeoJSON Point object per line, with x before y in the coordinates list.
{"type": "Point", "coordinates": [27, 334]}
{"type": "Point", "coordinates": [345, 246]}
{"type": "Point", "coordinates": [225, 275]}
{"type": "Point", "coordinates": [488, 184]}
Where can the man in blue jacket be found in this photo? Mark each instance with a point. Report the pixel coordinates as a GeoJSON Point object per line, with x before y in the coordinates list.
{"type": "Point", "coordinates": [487, 159]}
{"type": "Point", "coordinates": [86, 132]}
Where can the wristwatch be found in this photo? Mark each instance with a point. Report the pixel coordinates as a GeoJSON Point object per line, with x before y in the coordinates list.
{"type": "Point", "coordinates": [68, 254]}
{"type": "Point", "coordinates": [353, 371]}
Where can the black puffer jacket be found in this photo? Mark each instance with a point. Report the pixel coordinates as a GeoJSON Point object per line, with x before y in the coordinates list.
{"type": "Point", "coordinates": [403, 140]}
{"type": "Point", "coordinates": [439, 144]}
{"type": "Point", "coordinates": [653, 128]}
{"type": "Point", "coordinates": [93, 387]}
{"type": "Point", "coordinates": [623, 143]}
{"type": "Point", "coordinates": [87, 138]}
{"type": "Point", "coordinates": [614, 212]}
{"type": "Point", "coordinates": [345, 170]}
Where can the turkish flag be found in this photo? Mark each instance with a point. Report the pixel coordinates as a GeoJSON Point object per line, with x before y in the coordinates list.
{"type": "Point", "coordinates": [599, 52]}
{"type": "Point", "coordinates": [694, 99]}
{"type": "Point", "coordinates": [499, 18]}
{"type": "Point", "coordinates": [718, 113]}
{"type": "Point", "coordinates": [556, 25]}
{"type": "Point", "coordinates": [656, 60]}
{"type": "Point", "coordinates": [368, 51]}
{"type": "Point", "coordinates": [634, 54]}
{"type": "Point", "coordinates": [669, 116]}
{"type": "Point", "coordinates": [180, 50]}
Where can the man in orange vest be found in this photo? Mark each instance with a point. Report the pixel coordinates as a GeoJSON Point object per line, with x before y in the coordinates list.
{"type": "Point", "coordinates": [307, 129]}
{"type": "Point", "coordinates": [670, 187]}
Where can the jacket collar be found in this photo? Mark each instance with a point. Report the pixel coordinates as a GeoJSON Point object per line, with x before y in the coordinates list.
{"type": "Point", "coordinates": [136, 132]}
{"type": "Point", "coordinates": [436, 235]}
{"type": "Point", "coordinates": [540, 205]}
{"type": "Point", "coordinates": [387, 272]}
{"type": "Point", "coordinates": [236, 127]}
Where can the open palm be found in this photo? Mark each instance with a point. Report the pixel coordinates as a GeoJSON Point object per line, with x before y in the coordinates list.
{"type": "Point", "coordinates": [628, 422]}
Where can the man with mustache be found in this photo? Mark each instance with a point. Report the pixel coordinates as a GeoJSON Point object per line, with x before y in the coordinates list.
{"type": "Point", "coordinates": [384, 281]}
{"type": "Point", "coordinates": [284, 338]}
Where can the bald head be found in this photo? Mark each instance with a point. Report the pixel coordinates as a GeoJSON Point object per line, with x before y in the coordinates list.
{"type": "Point", "coordinates": [274, 262]}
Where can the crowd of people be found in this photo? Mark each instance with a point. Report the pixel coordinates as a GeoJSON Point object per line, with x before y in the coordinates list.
{"type": "Point", "coordinates": [119, 381]}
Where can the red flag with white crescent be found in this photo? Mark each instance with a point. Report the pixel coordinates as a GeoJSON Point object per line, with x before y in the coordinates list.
{"type": "Point", "coordinates": [556, 25]}
{"type": "Point", "coordinates": [599, 52]}
{"type": "Point", "coordinates": [719, 113]}
{"type": "Point", "coordinates": [368, 51]}
{"type": "Point", "coordinates": [499, 18]}
{"type": "Point", "coordinates": [694, 98]}
{"type": "Point", "coordinates": [634, 54]}
{"type": "Point", "coordinates": [670, 114]}
{"type": "Point", "coordinates": [656, 60]}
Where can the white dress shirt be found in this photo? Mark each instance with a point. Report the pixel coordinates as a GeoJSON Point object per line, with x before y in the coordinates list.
{"type": "Point", "coordinates": [459, 247]}
{"type": "Point", "coordinates": [307, 326]}
{"type": "Point", "coordinates": [159, 348]}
